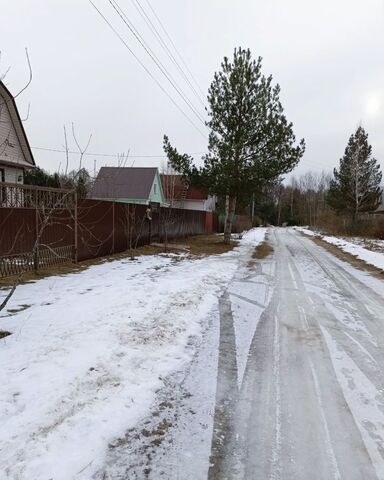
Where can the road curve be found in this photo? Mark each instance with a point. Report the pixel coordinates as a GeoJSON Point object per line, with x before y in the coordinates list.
{"type": "Point", "coordinates": [310, 404]}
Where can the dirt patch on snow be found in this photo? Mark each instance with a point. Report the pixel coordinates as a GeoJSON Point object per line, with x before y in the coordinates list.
{"type": "Point", "coordinates": [209, 245]}
{"type": "Point", "coordinates": [19, 308]}
{"type": "Point", "coordinates": [262, 250]}
{"type": "Point", "coordinates": [4, 334]}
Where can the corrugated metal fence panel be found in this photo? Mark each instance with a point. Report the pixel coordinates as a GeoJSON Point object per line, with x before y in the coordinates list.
{"type": "Point", "coordinates": [95, 229]}
{"type": "Point", "coordinates": [17, 230]}
{"type": "Point", "coordinates": [58, 230]}
{"type": "Point", "coordinates": [107, 227]}
{"type": "Point", "coordinates": [103, 228]}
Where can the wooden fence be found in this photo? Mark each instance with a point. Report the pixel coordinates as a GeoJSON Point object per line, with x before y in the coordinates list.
{"type": "Point", "coordinates": [46, 227]}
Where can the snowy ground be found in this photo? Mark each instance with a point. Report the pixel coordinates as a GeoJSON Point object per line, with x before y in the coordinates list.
{"type": "Point", "coordinates": [227, 367]}
{"type": "Point", "coordinates": [370, 251]}
{"type": "Point", "coordinates": [91, 354]}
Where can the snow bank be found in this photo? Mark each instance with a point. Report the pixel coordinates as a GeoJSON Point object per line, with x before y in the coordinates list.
{"type": "Point", "coordinates": [254, 237]}
{"type": "Point", "coordinates": [89, 351]}
{"type": "Point", "coordinates": [354, 248]}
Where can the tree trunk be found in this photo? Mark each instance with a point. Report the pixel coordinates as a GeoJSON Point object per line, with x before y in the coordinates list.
{"type": "Point", "coordinates": [230, 207]}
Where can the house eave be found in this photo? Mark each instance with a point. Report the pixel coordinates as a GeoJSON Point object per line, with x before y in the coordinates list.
{"type": "Point", "coordinates": [23, 166]}
{"type": "Point", "coordinates": [18, 124]}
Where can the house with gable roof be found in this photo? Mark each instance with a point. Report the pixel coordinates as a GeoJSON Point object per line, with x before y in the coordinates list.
{"type": "Point", "coordinates": [15, 152]}
{"type": "Point", "coordinates": [139, 185]}
{"type": "Point", "coordinates": [180, 194]}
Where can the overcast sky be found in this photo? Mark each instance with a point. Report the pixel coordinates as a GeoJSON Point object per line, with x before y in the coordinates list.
{"type": "Point", "coordinates": [327, 56]}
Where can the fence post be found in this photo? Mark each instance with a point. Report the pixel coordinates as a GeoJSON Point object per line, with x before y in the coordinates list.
{"type": "Point", "coordinates": [36, 253]}
{"type": "Point", "coordinates": [113, 227]}
{"type": "Point", "coordinates": [76, 255]}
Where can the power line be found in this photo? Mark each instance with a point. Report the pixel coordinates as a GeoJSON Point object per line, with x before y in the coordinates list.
{"type": "Point", "coordinates": [115, 155]}
{"type": "Point", "coordinates": [56, 150]}
{"type": "Point", "coordinates": [174, 47]}
{"type": "Point", "coordinates": [146, 69]}
{"type": "Point", "coordinates": [165, 47]}
{"type": "Point", "coordinates": [154, 58]}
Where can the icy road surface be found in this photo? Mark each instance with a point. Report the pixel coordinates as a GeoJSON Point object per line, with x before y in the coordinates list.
{"type": "Point", "coordinates": [310, 404]}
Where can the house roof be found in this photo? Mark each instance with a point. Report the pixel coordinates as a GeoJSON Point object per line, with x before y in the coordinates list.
{"type": "Point", "coordinates": [17, 124]}
{"type": "Point", "coordinates": [124, 182]}
{"type": "Point", "coordinates": [175, 185]}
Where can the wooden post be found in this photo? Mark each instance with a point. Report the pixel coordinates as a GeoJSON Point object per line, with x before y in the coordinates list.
{"type": "Point", "coordinates": [76, 255]}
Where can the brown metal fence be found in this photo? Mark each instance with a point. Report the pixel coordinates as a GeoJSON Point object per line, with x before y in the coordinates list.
{"type": "Point", "coordinates": [46, 227]}
{"type": "Point", "coordinates": [111, 227]}
{"type": "Point", "coordinates": [36, 227]}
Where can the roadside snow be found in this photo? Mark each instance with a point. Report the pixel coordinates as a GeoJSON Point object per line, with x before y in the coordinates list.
{"type": "Point", "coordinates": [89, 351]}
{"type": "Point", "coordinates": [375, 258]}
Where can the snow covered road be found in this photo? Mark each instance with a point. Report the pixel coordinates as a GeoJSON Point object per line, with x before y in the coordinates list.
{"type": "Point", "coordinates": [311, 401]}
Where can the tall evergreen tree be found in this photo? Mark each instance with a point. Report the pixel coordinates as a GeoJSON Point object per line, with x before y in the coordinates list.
{"type": "Point", "coordinates": [355, 187]}
{"type": "Point", "coordinates": [250, 141]}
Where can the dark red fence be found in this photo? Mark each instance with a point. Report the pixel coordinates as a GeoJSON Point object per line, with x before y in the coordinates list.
{"type": "Point", "coordinates": [32, 235]}
{"type": "Point", "coordinates": [110, 227]}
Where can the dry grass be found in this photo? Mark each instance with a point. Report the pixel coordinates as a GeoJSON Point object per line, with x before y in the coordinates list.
{"type": "Point", "coordinates": [202, 245]}
{"type": "Point", "coordinates": [196, 246]}
{"type": "Point", "coordinates": [262, 250]}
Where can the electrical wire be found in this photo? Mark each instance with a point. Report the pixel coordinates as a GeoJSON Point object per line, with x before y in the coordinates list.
{"type": "Point", "coordinates": [163, 44]}
{"type": "Point", "coordinates": [174, 47]}
{"type": "Point", "coordinates": [56, 150]}
{"type": "Point", "coordinates": [115, 5]}
{"type": "Point", "coordinates": [146, 69]}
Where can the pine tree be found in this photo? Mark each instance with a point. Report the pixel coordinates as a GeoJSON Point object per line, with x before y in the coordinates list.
{"type": "Point", "coordinates": [355, 187]}
{"type": "Point", "coordinates": [251, 142]}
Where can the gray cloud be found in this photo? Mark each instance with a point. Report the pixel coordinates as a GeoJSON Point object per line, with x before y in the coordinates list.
{"type": "Point", "coordinates": [327, 57]}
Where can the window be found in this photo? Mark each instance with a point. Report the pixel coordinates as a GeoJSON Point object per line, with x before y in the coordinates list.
{"type": "Point", "coordinates": [154, 188]}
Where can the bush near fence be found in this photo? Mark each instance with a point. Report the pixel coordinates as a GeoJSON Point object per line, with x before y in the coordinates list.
{"type": "Point", "coordinates": [87, 229]}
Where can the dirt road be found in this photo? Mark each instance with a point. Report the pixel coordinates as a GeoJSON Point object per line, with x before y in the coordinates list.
{"type": "Point", "coordinates": [310, 404]}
